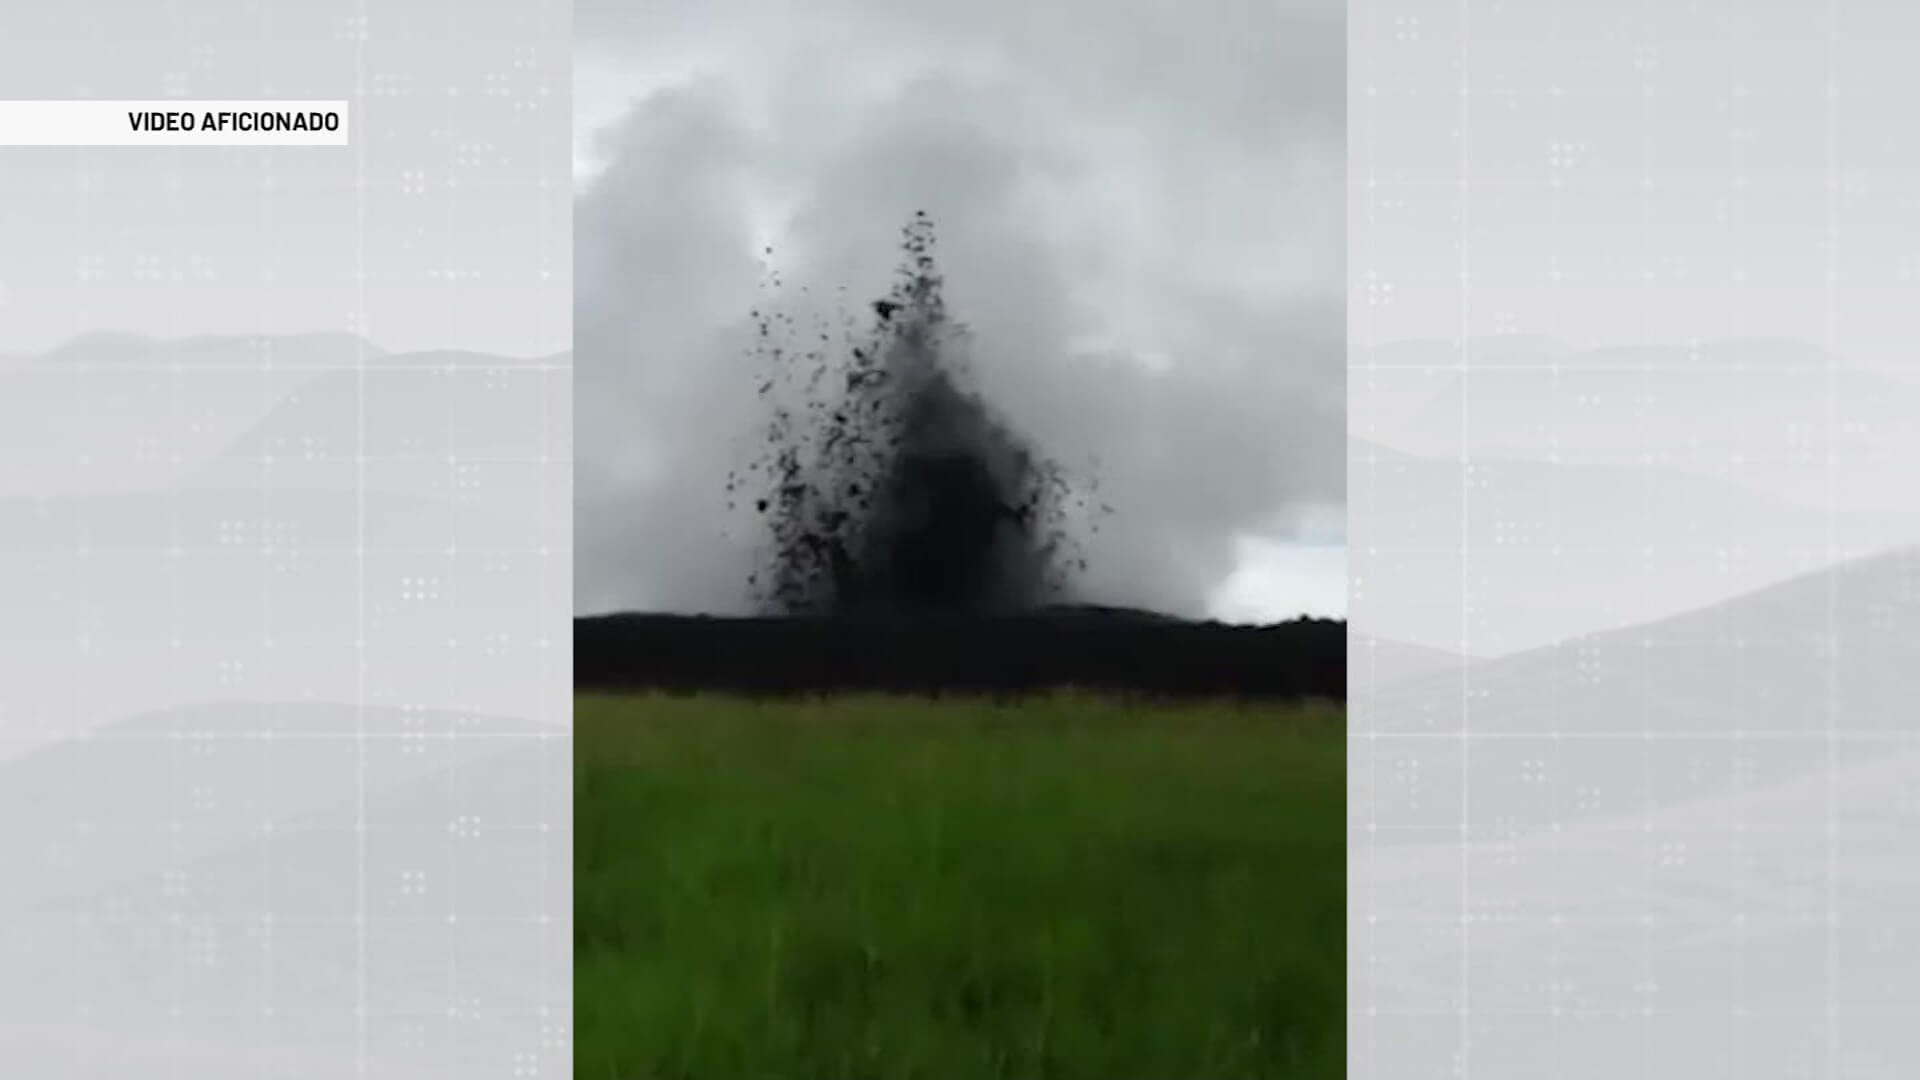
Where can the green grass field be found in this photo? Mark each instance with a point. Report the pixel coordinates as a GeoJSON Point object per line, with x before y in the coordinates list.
{"type": "Point", "coordinates": [883, 889]}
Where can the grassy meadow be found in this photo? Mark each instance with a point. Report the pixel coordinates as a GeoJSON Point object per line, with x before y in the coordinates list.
{"type": "Point", "coordinates": [885, 889]}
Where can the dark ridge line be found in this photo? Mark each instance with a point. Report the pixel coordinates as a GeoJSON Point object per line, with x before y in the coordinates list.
{"type": "Point", "coordinates": [1138, 655]}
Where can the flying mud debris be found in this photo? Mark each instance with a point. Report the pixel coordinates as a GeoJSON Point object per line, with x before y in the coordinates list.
{"type": "Point", "coordinates": [917, 544]}
{"type": "Point", "coordinates": [889, 486]}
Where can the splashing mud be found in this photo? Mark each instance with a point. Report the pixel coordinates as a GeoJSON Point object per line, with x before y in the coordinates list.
{"type": "Point", "coordinates": [887, 486]}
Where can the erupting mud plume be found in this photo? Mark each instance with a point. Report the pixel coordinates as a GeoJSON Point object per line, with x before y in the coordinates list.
{"type": "Point", "coordinates": [887, 486]}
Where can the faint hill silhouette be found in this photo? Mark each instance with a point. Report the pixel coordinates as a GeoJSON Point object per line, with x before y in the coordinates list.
{"type": "Point", "coordinates": [87, 809]}
{"type": "Point", "coordinates": [1577, 922]}
{"type": "Point", "coordinates": [448, 423]}
{"type": "Point", "coordinates": [1552, 546]}
{"type": "Point", "coordinates": [105, 351]}
{"type": "Point", "coordinates": [1381, 662]}
{"type": "Point", "coordinates": [109, 412]}
{"type": "Point", "coordinates": [1729, 697]}
{"type": "Point", "coordinates": [270, 589]}
{"type": "Point", "coordinates": [118, 412]}
{"type": "Point", "coordinates": [209, 857]}
{"type": "Point", "coordinates": [246, 519]}
{"type": "Point", "coordinates": [1743, 406]}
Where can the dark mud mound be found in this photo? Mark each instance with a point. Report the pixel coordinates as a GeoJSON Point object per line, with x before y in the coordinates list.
{"type": "Point", "coordinates": [1120, 652]}
{"type": "Point", "coordinates": [887, 487]}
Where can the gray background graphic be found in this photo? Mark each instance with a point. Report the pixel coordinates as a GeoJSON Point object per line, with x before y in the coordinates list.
{"type": "Point", "coordinates": [1634, 413]}
{"type": "Point", "coordinates": [285, 552]}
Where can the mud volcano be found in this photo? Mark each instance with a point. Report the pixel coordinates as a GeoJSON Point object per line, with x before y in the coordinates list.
{"type": "Point", "coordinates": [889, 486]}
{"type": "Point", "coordinates": [918, 544]}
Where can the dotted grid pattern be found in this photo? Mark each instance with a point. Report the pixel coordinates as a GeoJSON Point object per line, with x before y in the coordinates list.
{"type": "Point", "coordinates": [1634, 411]}
{"type": "Point", "coordinates": [285, 552]}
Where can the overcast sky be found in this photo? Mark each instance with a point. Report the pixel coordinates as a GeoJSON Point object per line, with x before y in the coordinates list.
{"type": "Point", "coordinates": [1141, 216]}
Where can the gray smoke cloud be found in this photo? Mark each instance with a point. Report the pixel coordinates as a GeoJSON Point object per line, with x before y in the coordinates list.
{"type": "Point", "coordinates": [1141, 221]}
